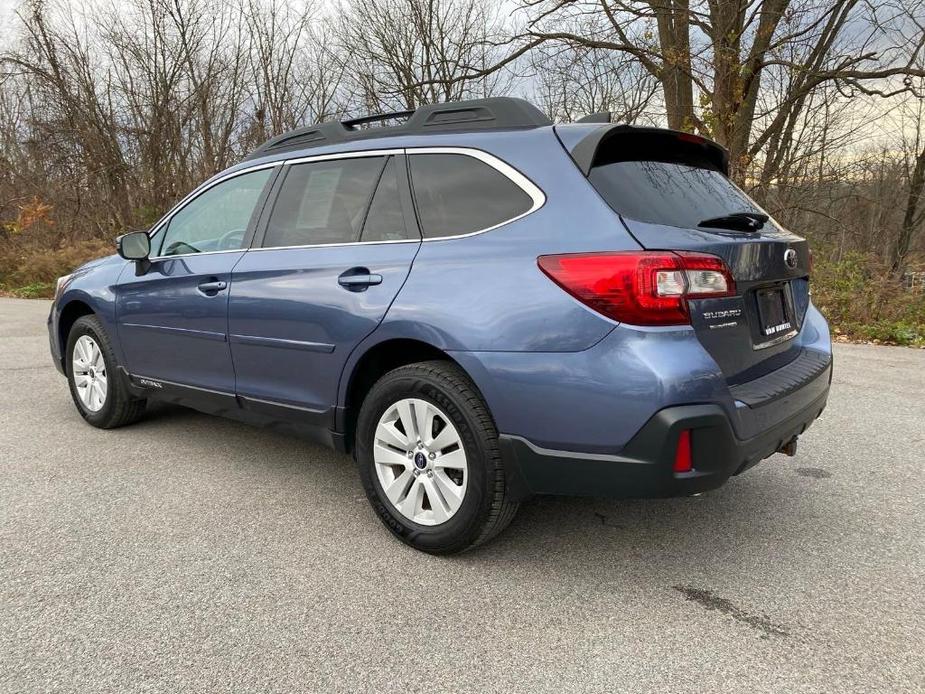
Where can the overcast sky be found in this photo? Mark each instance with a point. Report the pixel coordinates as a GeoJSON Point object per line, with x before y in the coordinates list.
{"type": "Point", "coordinates": [877, 128]}
{"type": "Point", "coordinates": [6, 17]}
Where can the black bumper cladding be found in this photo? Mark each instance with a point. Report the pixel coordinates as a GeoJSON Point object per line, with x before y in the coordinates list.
{"type": "Point", "coordinates": [644, 468]}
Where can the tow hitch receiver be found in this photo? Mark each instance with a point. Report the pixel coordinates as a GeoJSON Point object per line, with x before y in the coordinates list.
{"type": "Point", "coordinates": [789, 448]}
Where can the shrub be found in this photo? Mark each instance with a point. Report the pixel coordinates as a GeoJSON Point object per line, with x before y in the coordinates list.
{"type": "Point", "coordinates": [26, 268]}
{"type": "Point", "coordinates": [862, 301]}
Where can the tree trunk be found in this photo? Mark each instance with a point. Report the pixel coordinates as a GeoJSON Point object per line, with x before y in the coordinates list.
{"type": "Point", "coordinates": [911, 219]}
{"type": "Point", "coordinates": [675, 76]}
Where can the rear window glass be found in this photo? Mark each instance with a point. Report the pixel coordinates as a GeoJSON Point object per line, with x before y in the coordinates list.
{"type": "Point", "coordinates": [671, 188]}
{"type": "Point", "coordinates": [457, 194]}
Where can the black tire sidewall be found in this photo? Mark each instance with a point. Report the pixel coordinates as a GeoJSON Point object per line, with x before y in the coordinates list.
{"type": "Point", "coordinates": [90, 326]}
{"type": "Point", "coordinates": [466, 525]}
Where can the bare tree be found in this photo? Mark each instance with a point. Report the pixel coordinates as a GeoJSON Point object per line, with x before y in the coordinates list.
{"type": "Point", "coordinates": [296, 70]}
{"type": "Point", "coordinates": [570, 83]}
{"type": "Point", "coordinates": [711, 58]}
{"type": "Point", "coordinates": [912, 133]}
{"type": "Point", "coordinates": [404, 53]}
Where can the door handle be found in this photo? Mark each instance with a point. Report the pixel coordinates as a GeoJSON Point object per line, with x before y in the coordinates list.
{"type": "Point", "coordinates": [358, 279]}
{"type": "Point", "coordinates": [212, 288]}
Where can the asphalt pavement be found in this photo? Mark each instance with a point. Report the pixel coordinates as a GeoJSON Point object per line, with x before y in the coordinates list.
{"type": "Point", "coordinates": [191, 553]}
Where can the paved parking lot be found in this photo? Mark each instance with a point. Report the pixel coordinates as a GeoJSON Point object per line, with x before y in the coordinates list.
{"type": "Point", "coordinates": [189, 553]}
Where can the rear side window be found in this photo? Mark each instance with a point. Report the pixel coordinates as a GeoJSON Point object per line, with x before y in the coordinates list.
{"type": "Point", "coordinates": [385, 220]}
{"type": "Point", "coordinates": [665, 182]}
{"type": "Point", "coordinates": [458, 194]}
{"type": "Point", "coordinates": [323, 202]}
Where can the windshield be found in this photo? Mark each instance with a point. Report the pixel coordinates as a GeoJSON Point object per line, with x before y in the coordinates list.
{"type": "Point", "coordinates": [675, 194]}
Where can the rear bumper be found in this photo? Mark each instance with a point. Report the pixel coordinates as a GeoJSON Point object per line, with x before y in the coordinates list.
{"type": "Point", "coordinates": [643, 468]}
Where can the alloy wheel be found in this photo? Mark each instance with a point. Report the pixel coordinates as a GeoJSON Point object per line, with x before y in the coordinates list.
{"type": "Point", "coordinates": [89, 373]}
{"type": "Point", "coordinates": [420, 461]}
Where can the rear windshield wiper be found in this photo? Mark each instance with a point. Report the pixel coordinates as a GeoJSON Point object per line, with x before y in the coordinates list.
{"type": "Point", "coordinates": [737, 221]}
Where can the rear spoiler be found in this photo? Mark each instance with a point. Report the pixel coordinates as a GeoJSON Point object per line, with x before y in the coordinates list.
{"type": "Point", "coordinates": [585, 141]}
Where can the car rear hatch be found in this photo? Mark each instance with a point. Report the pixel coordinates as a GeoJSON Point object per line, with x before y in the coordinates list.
{"type": "Point", "coordinates": [672, 193]}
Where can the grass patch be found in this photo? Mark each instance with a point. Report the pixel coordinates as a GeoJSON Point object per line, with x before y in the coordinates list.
{"type": "Point", "coordinates": [36, 290]}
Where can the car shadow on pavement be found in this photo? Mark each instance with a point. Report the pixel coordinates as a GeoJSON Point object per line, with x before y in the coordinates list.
{"type": "Point", "coordinates": [752, 518]}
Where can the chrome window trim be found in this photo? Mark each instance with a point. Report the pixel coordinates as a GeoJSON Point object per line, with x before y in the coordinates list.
{"type": "Point", "coordinates": [187, 255]}
{"type": "Point", "coordinates": [328, 245]}
{"type": "Point", "coordinates": [537, 196]}
{"type": "Point", "coordinates": [362, 154]}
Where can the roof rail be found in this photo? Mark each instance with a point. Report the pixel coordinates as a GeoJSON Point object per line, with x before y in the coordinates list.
{"type": "Point", "coordinates": [496, 113]}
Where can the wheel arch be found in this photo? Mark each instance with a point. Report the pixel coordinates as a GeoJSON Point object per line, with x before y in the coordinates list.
{"type": "Point", "coordinates": [70, 313]}
{"type": "Point", "coordinates": [374, 363]}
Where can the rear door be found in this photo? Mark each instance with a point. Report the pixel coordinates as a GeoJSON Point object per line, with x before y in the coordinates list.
{"type": "Point", "coordinates": [672, 194]}
{"type": "Point", "coordinates": [336, 248]}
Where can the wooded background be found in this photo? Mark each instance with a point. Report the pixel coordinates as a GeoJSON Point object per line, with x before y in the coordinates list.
{"type": "Point", "coordinates": [112, 110]}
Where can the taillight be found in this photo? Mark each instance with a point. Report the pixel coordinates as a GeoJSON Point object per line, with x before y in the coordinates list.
{"type": "Point", "coordinates": [641, 288]}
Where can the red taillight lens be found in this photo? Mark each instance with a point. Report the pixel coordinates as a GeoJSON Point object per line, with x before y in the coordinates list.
{"type": "Point", "coordinates": [641, 288]}
{"type": "Point", "coordinates": [682, 456]}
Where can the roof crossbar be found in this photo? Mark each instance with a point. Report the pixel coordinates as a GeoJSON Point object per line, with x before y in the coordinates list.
{"type": "Point", "coordinates": [376, 118]}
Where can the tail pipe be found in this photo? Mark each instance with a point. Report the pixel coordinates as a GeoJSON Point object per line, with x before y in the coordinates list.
{"type": "Point", "coordinates": [789, 448]}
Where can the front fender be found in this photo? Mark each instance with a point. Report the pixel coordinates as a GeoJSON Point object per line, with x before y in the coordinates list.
{"type": "Point", "coordinates": [92, 286]}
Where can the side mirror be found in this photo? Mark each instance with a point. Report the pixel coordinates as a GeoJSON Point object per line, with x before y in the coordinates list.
{"type": "Point", "coordinates": [134, 245]}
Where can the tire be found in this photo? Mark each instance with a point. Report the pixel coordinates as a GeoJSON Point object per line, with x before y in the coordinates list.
{"type": "Point", "coordinates": [118, 407]}
{"type": "Point", "coordinates": [440, 388]}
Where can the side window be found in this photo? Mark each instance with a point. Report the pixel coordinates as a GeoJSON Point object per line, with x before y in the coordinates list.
{"type": "Point", "coordinates": [216, 220]}
{"type": "Point", "coordinates": [323, 202]}
{"type": "Point", "coordinates": [385, 220]}
{"type": "Point", "coordinates": [457, 194]}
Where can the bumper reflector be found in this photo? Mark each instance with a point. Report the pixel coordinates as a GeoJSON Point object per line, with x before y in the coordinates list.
{"type": "Point", "coordinates": [682, 456]}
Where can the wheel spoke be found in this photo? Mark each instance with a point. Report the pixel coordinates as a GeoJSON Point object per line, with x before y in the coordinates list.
{"type": "Point", "coordinates": [399, 488]}
{"type": "Point", "coordinates": [454, 460]}
{"type": "Point", "coordinates": [84, 393]}
{"type": "Point", "coordinates": [80, 361]}
{"type": "Point", "coordinates": [98, 394]}
{"type": "Point", "coordinates": [411, 505]}
{"type": "Point", "coordinates": [383, 455]}
{"type": "Point", "coordinates": [407, 422]}
{"type": "Point", "coordinates": [96, 357]}
{"type": "Point", "coordinates": [424, 421]}
{"type": "Point", "coordinates": [452, 492]}
{"type": "Point", "coordinates": [81, 380]}
{"type": "Point", "coordinates": [445, 438]}
{"type": "Point", "coordinates": [438, 505]}
{"type": "Point", "coordinates": [386, 433]}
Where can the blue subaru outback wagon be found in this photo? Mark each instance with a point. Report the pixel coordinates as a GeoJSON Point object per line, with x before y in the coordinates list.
{"type": "Point", "coordinates": [476, 303]}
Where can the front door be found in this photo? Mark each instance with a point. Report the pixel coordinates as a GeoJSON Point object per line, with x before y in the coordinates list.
{"type": "Point", "coordinates": [173, 319]}
{"type": "Point", "coordinates": [336, 250]}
